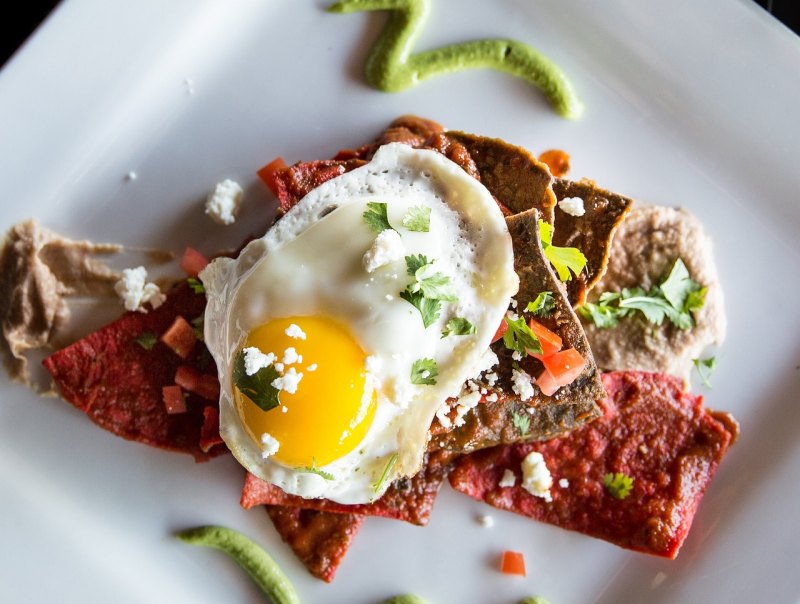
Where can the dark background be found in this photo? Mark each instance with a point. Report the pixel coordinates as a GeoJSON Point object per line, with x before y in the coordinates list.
{"type": "Point", "coordinates": [17, 25]}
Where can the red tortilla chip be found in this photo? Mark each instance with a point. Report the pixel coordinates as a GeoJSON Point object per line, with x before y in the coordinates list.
{"type": "Point", "coordinates": [118, 383]}
{"type": "Point", "coordinates": [653, 431]}
{"type": "Point", "coordinates": [319, 539]}
{"type": "Point", "coordinates": [407, 499]}
{"type": "Point", "coordinates": [295, 182]}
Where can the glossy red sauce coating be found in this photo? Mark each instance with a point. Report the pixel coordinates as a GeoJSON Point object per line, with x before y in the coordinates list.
{"type": "Point", "coordinates": [557, 160]}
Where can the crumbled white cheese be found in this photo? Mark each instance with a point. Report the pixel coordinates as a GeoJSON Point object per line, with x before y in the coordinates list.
{"type": "Point", "coordinates": [402, 393]}
{"type": "Point", "coordinates": [536, 478]}
{"type": "Point", "coordinates": [443, 415]}
{"type": "Point", "coordinates": [509, 479]}
{"type": "Point", "coordinates": [387, 248]}
{"type": "Point", "coordinates": [289, 381]}
{"type": "Point", "coordinates": [312, 367]}
{"type": "Point", "coordinates": [491, 378]}
{"type": "Point", "coordinates": [295, 331]}
{"type": "Point", "coordinates": [373, 364]}
{"type": "Point", "coordinates": [512, 316]}
{"type": "Point", "coordinates": [467, 400]}
{"type": "Point", "coordinates": [284, 409]}
{"type": "Point", "coordinates": [134, 291]}
{"type": "Point", "coordinates": [278, 367]}
{"type": "Point", "coordinates": [255, 360]}
{"type": "Point", "coordinates": [290, 356]}
{"type": "Point", "coordinates": [492, 398]}
{"type": "Point", "coordinates": [516, 356]}
{"type": "Point", "coordinates": [270, 445]}
{"type": "Point", "coordinates": [522, 384]}
{"type": "Point", "coordinates": [563, 483]}
{"type": "Point", "coordinates": [513, 303]}
{"type": "Point", "coordinates": [223, 203]}
{"type": "Point", "coordinates": [572, 206]}
{"type": "Point", "coordinates": [486, 521]}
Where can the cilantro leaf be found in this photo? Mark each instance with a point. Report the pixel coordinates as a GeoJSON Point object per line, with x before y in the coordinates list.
{"type": "Point", "coordinates": [678, 284]}
{"type": "Point", "coordinates": [563, 259]}
{"type": "Point", "coordinates": [418, 218]}
{"type": "Point", "coordinates": [522, 422]}
{"type": "Point", "coordinates": [198, 324]}
{"type": "Point", "coordinates": [695, 300]}
{"type": "Point", "coordinates": [458, 326]}
{"type": "Point", "coordinates": [376, 216]}
{"type": "Point", "coordinates": [428, 308]}
{"type": "Point", "coordinates": [147, 340]}
{"type": "Point", "coordinates": [424, 372]}
{"type": "Point", "coordinates": [313, 469]}
{"type": "Point", "coordinates": [543, 305]}
{"type": "Point", "coordinates": [519, 337]}
{"type": "Point", "coordinates": [704, 369]}
{"type": "Point", "coordinates": [603, 316]}
{"type": "Point", "coordinates": [196, 285]}
{"type": "Point", "coordinates": [376, 488]}
{"type": "Point", "coordinates": [618, 485]}
{"type": "Point", "coordinates": [436, 286]}
{"type": "Point", "coordinates": [415, 263]}
{"type": "Point", "coordinates": [257, 387]}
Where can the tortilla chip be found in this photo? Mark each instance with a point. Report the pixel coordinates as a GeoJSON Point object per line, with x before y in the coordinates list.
{"type": "Point", "coordinates": [490, 423]}
{"type": "Point", "coordinates": [319, 539]}
{"type": "Point", "coordinates": [409, 499]}
{"type": "Point", "coordinates": [295, 182]}
{"type": "Point", "coordinates": [652, 431]}
{"type": "Point", "coordinates": [118, 383]}
{"type": "Point", "coordinates": [591, 233]}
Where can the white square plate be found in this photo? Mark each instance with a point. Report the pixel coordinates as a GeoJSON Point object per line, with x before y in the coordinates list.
{"type": "Point", "coordinates": [688, 103]}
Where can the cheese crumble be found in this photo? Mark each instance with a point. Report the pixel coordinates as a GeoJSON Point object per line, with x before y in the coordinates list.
{"type": "Point", "coordinates": [536, 478]}
{"type": "Point", "coordinates": [255, 360]}
{"type": "Point", "coordinates": [270, 445]}
{"type": "Point", "coordinates": [223, 203]}
{"type": "Point", "coordinates": [289, 381]}
{"type": "Point", "coordinates": [572, 206]}
{"type": "Point", "coordinates": [295, 331]}
{"type": "Point", "coordinates": [509, 479]}
{"type": "Point", "coordinates": [387, 248]}
{"type": "Point", "coordinates": [522, 384]}
{"type": "Point", "coordinates": [134, 291]}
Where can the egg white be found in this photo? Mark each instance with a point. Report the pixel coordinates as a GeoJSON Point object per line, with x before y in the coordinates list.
{"type": "Point", "coordinates": [310, 263]}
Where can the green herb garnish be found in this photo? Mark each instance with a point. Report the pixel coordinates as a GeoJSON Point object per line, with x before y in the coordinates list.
{"type": "Point", "coordinates": [618, 485]}
{"type": "Point", "coordinates": [705, 367]}
{"type": "Point", "coordinates": [429, 309]}
{"type": "Point", "coordinates": [196, 285]}
{"type": "Point", "coordinates": [376, 216]}
{"type": "Point", "coordinates": [313, 469]}
{"type": "Point", "coordinates": [519, 337]}
{"type": "Point", "coordinates": [257, 387]}
{"type": "Point", "coordinates": [563, 259]}
{"type": "Point", "coordinates": [458, 326]}
{"type": "Point", "coordinates": [376, 488]}
{"type": "Point", "coordinates": [424, 372]}
{"type": "Point", "coordinates": [676, 298]}
{"type": "Point", "coordinates": [542, 306]}
{"type": "Point", "coordinates": [522, 422]}
{"type": "Point", "coordinates": [428, 290]}
{"type": "Point", "coordinates": [198, 325]}
{"type": "Point", "coordinates": [418, 218]}
{"type": "Point", "coordinates": [147, 340]}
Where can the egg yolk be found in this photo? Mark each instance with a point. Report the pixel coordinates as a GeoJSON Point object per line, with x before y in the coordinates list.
{"type": "Point", "coordinates": [330, 413]}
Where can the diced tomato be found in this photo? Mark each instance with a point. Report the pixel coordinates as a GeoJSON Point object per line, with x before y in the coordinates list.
{"type": "Point", "coordinates": [513, 563]}
{"type": "Point", "coordinates": [267, 173]}
{"type": "Point", "coordinates": [551, 343]}
{"type": "Point", "coordinates": [501, 330]}
{"type": "Point", "coordinates": [560, 369]}
{"type": "Point", "coordinates": [201, 384]}
{"type": "Point", "coordinates": [180, 337]}
{"type": "Point", "coordinates": [193, 262]}
{"type": "Point", "coordinates": [173, 399]}
{"type": "Point", "coordinates": [209, 432]}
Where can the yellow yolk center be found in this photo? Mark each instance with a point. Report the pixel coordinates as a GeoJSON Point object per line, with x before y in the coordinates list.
{"type": "Point", "coordinates": [330, 412]}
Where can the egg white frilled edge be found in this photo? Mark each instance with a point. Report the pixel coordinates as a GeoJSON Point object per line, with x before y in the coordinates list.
{"type": "Point", "coordinates": [310, 263]}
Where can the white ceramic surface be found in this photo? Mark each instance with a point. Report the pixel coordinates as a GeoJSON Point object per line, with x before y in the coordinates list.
{"type": "Point", "coordinates": [688, 103]}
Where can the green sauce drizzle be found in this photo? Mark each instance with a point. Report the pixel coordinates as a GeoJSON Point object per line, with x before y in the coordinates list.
{"type": "Point", "coordinates": [391, 67]}
{"type": "Point", "coordinates": [406, 599]}
{"type": "Point", "coordinates": [250, 556]}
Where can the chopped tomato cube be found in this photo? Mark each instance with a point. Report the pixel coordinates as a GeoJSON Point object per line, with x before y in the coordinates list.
{"type": "Point", "coordinates": [267, 173]}
{"type": "Point", "coordinates": [501, 330]}
{"type": "Point", "coordinates": [550, 341]}
{"type": "Point", "coordinates": [560, 369]}
{"type": "Point", "coordinates": [208, 387]}
{"type": "Point", "coordinates": [201, 384]}
{"type": "Point", "coordinates": [173, 399]}
{"type": "Point", "coordinates": [180, 337]}
{"type": "Point", "coordinates": [193, 262]}
{"type": "Point", "coordinates": [209, 431]}
{"type": "Point", "coordinates": [513, 563]}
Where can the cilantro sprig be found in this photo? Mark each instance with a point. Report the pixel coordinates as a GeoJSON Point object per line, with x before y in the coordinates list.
{"type": "Point", "coordinates": [563, 259]}
{"type": "Point", "coordinates": [424, 372]}
{"type": "Point", "coordinates": [522, 422]}
{"type": "Point", "coordinates": [542, 306]}
{"type": "Point", "coordinates": [618, 485]}
{"type": "Point", "coordinates": [418, 219]}
{"type": "Point", "coordinates": [376, 216]}
{"type": "Point", "coordinates": [428, 289]}
{"type": "Point", "coordinates": [313, 469]}
{"type": "Point", "coordinates": [147, 340]}
{"type": "Point", "coordinates": [705, 367]}
{"type": "Point", "coordinates": [387, 469]}
{"type": "Point", "coordinates": [520, 338]}
{"type": "Point", "coordinates": [257, 387]}
{"type": "Point", "coordinates": [458, 326]}
{"type": "Point", "coordinates": [676, 298]}
{"type": "Point", "coordinates": [196, 285]}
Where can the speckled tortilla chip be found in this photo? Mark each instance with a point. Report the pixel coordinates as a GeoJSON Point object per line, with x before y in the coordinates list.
{"type": "Point", "coordinates": [512, 174]}
{"type": "Point", "coordinates": [652, 431]}
{"type": "Point", "coordinates": [319, 539]}
{"type": "Point", "coordinates": [491, 423]}
{"type": "Point", "coordinates": [409, 499]}
{"type": "Point", "coordinates": [591, 233]}
{"type": "Point", "coordinates": [118, 383]}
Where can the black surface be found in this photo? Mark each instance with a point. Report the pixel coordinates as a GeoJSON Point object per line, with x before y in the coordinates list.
{"type": "Point", "coordinates": [17, 24]}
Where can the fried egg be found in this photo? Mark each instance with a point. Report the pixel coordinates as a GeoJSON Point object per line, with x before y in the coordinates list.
{"type": "Point", "coordinates": [317, 300]}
